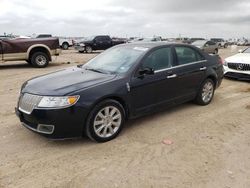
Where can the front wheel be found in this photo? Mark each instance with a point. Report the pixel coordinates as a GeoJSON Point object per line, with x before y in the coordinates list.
{"type": "Point", "coordinates": [105, 121]}
{"type": "Point", "coordinates": [216, 51]}
{"type": "Point", "coordinates": [206, 92]}
{"type": "Point", "coordinates": [39, 59]}
{"type": "Point", "coordinates": [89, 49]}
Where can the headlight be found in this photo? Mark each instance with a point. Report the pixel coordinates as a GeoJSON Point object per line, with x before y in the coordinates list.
{"type": "Point", "coordinates": [82, 44]}
{"type": "Point", "coordinates": [57, 102]}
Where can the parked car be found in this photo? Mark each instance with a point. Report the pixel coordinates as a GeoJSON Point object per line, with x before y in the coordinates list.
{"type": "Point", "coordinates": [150, 39]}
{"type": "Point", "coordinates": [238, 66]}
{"type": "Point", "coordinates": [124, 82]}
{"type": "Point", "coordinates": [220, 42]}
{"type": "Point", "coordinates": [100, 42]}
{"type": "Point", "coordinates": [64, 42]}
{"type": "Point", "coordinates": [242, 43]}
{"type": "Point", "coordinates": [191, 40]}
{"type": "Point", "coordinates": [207, 46]}
{"type": "Point", "coordinates": [37, 52]}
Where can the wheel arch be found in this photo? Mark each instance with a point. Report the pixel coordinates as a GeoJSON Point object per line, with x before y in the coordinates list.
{"type": "Point", "coordinates": [116, 98]}
{"type": "Point", "coordinates": [38, 48]}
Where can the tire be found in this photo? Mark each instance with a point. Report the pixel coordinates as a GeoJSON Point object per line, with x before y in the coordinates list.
{"type": "Point", "coordinates": [100, 123]}
{"type": "Point", "coordinates": [29, 62]}
{"type": "Point", "coordinates": [80, 51]}
{"type": "Point", "coordinates": [39, 59]}
{"type": "Point", "coordinates": [65, 46]}
{"type": "Point", "coordinates": [205, 93]}
{"type": "Point", "coordinates": [88, 49]}
{"type": "Point", "coordinates": [216, 51]}
{"type": "Point", "coordinates": [226, 45]}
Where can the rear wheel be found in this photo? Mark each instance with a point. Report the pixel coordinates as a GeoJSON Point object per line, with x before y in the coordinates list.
{"type": "Point", "coordinates": [39, 59]}
{"type": "Point", "coordinates": [206, 92]}
{"type": "Point", "coordinates": [65, 46]}
{"type": "Point", "coordinates": [105, 121]}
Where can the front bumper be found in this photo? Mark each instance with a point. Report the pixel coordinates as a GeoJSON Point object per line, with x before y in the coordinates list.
{"type": "Point", "coordinates": [55, 124]}
{"type": "Point", "coordinates": [236, 74]}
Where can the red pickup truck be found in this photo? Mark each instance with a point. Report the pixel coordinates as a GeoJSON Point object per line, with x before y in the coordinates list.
{"type": "Point", "coordinates": [37, 52]}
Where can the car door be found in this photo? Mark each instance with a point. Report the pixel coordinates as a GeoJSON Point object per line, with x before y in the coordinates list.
{"type": "Point", "coordinates": [211, 46]}
{"type": "Point", "coordinates": [156, 90]}
{"type": "Point", "coordinates": [107, 42]}
{"type": "Point", "coordinates": [98, 43]}
{"type": "Point", "coordinates": [190, 71]}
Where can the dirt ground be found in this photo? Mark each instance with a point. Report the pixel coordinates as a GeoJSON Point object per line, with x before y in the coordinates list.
{"type": "Point", "coordinates": [211, 144]}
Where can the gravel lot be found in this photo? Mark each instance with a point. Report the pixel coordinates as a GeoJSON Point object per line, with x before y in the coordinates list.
{"type": "Point", "coordinates": [211, 144]}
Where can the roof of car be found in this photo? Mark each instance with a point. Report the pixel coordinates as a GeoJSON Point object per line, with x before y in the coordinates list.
{"type": "Point", "coordinates": [152, 44]}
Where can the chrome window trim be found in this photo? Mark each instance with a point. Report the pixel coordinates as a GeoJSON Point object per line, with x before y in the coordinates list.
{"type": "Point", "coordinates": [161, 70]}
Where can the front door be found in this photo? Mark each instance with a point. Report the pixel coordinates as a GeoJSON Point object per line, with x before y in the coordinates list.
{"type": "Point", "coordinates": [148, 92]}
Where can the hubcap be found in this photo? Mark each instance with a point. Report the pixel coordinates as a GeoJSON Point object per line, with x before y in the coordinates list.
{"type": "Point", "coordinates": [89, 49]}
{"type": "Point", "coordinates": [41, 60]}
{"type": "Point", "coordinates": [207, 92]}
{"type": "Point", "coordinates": [107, 121]}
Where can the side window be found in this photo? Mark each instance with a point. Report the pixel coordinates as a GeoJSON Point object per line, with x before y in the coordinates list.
{"type": "Point", "coordinates": [98, 39]}
{"type": "Point", "coordinates": [210, 43]}
{"type": "Point", "coordinates": [187, 55]}
{"type": "Point", "coordinates": [159, 59]}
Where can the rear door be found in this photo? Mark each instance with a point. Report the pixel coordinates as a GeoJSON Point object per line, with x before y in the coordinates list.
{"type": "Point", "coordinates": [211, 46]}
{"type": "Point", "coordinates": [190, 71]}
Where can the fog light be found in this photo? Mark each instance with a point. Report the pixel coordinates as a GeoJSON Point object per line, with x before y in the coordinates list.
{"type": "Point", "coordinates": [46, 129]}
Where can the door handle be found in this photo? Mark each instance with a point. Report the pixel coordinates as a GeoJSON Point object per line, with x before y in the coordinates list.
{"type": "Point", "coordinates": [203, 68]}
{"type": "Point", "coordinates": [172, 76]}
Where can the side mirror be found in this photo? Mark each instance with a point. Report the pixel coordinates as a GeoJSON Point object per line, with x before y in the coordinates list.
{"type": "Point", "coordinates": [240, 51]}
{"type": "Point", "coordinates": [145, 71]}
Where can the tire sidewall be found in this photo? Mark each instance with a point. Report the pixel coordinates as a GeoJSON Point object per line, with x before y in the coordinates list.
{"type": "Point", "coordinates": [89, 128]}
{"type": "Point", "coordinates": [34, 56]}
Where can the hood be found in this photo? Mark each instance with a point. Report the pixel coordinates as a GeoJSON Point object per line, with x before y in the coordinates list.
{"type": "Point", "coordinates": [239, 58]}
{"type": "Point", "coordinates": [64, 82]}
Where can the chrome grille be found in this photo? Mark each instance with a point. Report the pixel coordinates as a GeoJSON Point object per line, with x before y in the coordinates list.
{"type": "Point", "coordinates": [28, 102]}
{"type": "Point", "coordinates": [239, 66]}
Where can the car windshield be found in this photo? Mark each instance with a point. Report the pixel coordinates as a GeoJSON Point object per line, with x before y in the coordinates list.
{"type": "Point", "coordinates": [247, 50]}
{"type": "Point", "coordinates": [116, 60]}
{"type": "Point", "coordinates": [199, 42]}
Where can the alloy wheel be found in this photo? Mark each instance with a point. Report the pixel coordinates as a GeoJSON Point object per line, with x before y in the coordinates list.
{"type": "Point", "coordinates": [107, 121]}
{"type": "Point", "coordinates": [207, 92]}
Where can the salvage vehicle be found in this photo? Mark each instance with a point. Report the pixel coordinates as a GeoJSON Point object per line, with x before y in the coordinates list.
{"type": "Point", "coordinates": [124, 82]}
{"type": "Point", "coordinates": [238, 66]}
{"type": "Point", "coordinates": [37, 52]}
{"type": "Point", "coordinates": [100, 42]}
{"type": "Point", "coordinates": [64, 42]}
{"type": "Point", "coordinates": [220, 42]}
{"type": "Point", "coordinates": [207, 46]}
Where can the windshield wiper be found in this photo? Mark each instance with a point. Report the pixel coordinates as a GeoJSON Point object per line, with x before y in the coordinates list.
{"type": "Point", "coordinates": [95, 70]}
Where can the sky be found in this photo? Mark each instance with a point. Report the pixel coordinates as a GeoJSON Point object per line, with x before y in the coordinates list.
{"type": "Point", "coordinates": [126, 18]}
